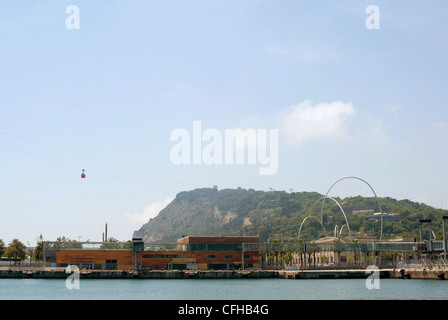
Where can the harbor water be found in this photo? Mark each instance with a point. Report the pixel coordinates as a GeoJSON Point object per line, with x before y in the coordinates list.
{"type": "Point", "coordinates": [223, 289]}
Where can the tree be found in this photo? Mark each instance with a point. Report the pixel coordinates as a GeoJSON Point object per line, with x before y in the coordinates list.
{"type": "Point", "coordinates": [63, 239]}
{"type": "Point", "coordinates": [16, 250]}
{"type": "Point", "coordinates": [39, 249]}
{"type": "Point", "coordinates": [2, 247]}
{"type": "Point", "coordinates": [64, 242]}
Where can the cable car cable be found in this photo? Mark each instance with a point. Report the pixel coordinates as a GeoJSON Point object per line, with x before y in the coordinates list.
{"type": "Point", "coordinates": [77, 168]}
{"type": "Point", "coordinates": [86, 157]}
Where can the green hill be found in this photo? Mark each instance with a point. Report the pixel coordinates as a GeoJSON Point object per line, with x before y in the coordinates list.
{"type": "Point", "coordinates": [277, 215]}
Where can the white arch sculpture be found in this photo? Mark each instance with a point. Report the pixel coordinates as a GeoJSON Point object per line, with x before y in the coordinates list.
{"type": "Point", "coordinates": [323, 228]}
{"type": "Point", "coordinates": [379, 205]}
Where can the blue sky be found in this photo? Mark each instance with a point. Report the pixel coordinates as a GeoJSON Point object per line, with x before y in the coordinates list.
{"type": "Point", "coordinates": [346, 101]}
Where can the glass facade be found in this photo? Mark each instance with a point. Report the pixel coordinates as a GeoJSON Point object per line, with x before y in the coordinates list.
{"type": "Point", "coordinates": [214, 247]}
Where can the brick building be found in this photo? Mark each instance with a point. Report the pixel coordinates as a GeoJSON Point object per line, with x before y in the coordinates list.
{"type": "Point", "coordinates": [196, 253]}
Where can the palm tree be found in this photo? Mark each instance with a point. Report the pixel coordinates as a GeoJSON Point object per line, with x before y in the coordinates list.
{"type": "Point", "coordinates": [16, 250]}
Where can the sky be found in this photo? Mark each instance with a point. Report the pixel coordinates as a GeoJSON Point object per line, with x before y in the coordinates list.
{"type": "Point", "coordinates": [142, 96]}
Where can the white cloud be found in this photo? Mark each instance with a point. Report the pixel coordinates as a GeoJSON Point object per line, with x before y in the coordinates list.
{"type": "Point", "coordinates": [441, 128]}
{"type": "Point", "coordinates": [307, 121]}
{"type": "Point", "coordinates": [149, 212]}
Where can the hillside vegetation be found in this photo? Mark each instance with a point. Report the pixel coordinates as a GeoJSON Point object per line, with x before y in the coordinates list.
{"type": "Point", "coordinates": [277, 216]}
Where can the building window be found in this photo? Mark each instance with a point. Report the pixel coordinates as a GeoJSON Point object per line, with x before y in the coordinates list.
{"type": "Point", "coordinates": [176, 266]}
{"type": "Point", "coordinates": [211, 256]}
{"type": "Point", "coordinates": [214, 247]}
{"type": "Point", "coordinates": [164, 256]}
{"type": "Point", "coordinates": [228, 256]}
{"type": "Point", "coordinates": [111, 265]}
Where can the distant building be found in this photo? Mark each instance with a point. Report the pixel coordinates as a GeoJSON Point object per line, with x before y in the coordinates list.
{"type": "Point", "coordinates": [386, 217]}
{"type": "Point", "coordinates": [355, 212]}
{"type": "Point", "coordinates": [363, 209]}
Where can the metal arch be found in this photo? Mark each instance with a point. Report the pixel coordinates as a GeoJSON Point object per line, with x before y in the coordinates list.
{"type": "Point", "coordinates": [340, 231]}
{"type": "Point", "coordinates": [376, 197]}
{"type": "Point", "coordinates": [301, 225]}
{"type": "Point", "coordinates": [342, 210]}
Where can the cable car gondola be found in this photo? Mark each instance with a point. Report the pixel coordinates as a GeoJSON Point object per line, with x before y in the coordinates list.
{"type": "Point", "coordinates": [83, 175]}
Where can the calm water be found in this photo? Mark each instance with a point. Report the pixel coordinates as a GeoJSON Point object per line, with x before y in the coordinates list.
{"type": "Point", "coordinates": [243, 289]}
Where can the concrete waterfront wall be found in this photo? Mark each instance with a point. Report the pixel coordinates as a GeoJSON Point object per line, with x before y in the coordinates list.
{"type": "Point", "coordinates": [190, 274]}
{"type": "Point", "coordinates": [435, 274]}
{"type": "Point", "coordinates": [330, 274]}
{"type": "Point", "coordinates": [361, 274]}
{"type": "Point", "coordinates": [151, 274]}
{"type": "Point", "coordinates": [37, 274]}
{"type": "Point", "coordinates": [227, 274]}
